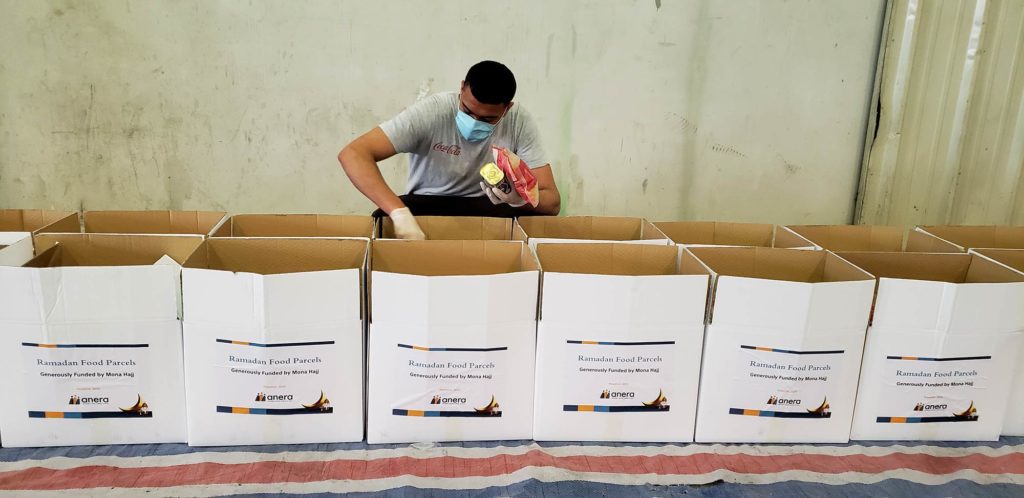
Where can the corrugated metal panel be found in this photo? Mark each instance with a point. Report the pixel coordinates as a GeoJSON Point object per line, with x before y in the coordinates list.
{"type": "Point", "coordinates": [948, 143]}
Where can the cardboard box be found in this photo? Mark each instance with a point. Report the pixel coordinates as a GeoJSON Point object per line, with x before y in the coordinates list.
{"type": "Point", "coordinates": [589, 229]}
{"type": "Point", "coordinates": [274, 341]}
{"type": "Point", "coordinates": [296, 225]}
{"type": "Point", "coordinates": [1013, 424]}
{"type": "Point", "coordinates": [717, 233]}
{"type": "Point", "coordinates": [783, 345]}
{"type": "Point", "coordinates": [452, 341]}
{"type": "Point", "coordinates": [618, 343]}
{"type": "Point", "coordinates": [18, 225]}
{"type": "Point", "coordinates": [941, 349]}
{"type": "Point", "coordinates": [90, 342]}
{"type": "Point", "coordinates": [458, 228]}
{"type": "Point", "coordinates": [153, 222]}
{"type": "Point", "coordinates": [975, 237]}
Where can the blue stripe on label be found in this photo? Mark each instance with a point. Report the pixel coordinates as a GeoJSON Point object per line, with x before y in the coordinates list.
{"type": "Point", "coordinates": [620, 343]}
{"type": "Point", "coordinates": [920, 358]}
{"type": "Point", "coordinates": [790, 351]}
{"type": "Point", "coordinates": [425, 348]}
{"type": "Point", "coordinates": [62, 346]}
{"type": "Point", "coordinates": [275, 345]}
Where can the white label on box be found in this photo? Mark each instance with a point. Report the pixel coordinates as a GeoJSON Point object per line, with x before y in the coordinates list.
{"type": "Point", "coordinates": [615, 377]}
{"type": "Point", "coordinates": [86, 381]}
{"type": "Point", "coordinates": [451, 381]}
{"type": "Point", "coordinates": [784, 383]}
{"type": "Point", "coordinates": [288, 378]}
{"type": "Point", "coordinates": [931, 390]}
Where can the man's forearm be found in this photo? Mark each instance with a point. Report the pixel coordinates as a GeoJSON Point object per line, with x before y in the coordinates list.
{"type": "Point", "coordinates": [550, 203]}
{"type": "Point", "coordinates": [367, 178]}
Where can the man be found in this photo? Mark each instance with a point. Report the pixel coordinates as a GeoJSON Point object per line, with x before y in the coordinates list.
{"type": "Point", "coordinates": [449, 137]}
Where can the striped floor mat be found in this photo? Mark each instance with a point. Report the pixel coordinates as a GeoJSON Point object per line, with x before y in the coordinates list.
{"type": "Point", "coordinates": [520, 468]}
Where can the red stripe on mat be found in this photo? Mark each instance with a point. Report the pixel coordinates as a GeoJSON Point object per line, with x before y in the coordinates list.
{"type": "Point", "coordinates": [449, 467]}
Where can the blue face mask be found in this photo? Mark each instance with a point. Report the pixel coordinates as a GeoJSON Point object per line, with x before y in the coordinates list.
{"type": "Point", "coordinates": [471, 129]}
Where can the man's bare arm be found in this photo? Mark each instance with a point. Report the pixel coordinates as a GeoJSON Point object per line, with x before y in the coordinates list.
{"type": "Point", "coordinates": [359, 160]}
{"type": "Point", "coordinates": [550, 199]}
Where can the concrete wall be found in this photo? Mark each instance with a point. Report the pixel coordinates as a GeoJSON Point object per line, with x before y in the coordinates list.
{"type": "Point", "coordinates": [950, 141]}
{"type": "Point", "coordinates": [733, 110]}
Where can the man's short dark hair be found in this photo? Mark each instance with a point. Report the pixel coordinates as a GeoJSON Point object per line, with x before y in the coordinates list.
{"type": "Point", "coordinates": [491, 82]}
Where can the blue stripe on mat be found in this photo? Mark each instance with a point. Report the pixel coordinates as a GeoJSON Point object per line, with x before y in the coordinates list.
{"type": "Point", "coordinates": [789, 489]}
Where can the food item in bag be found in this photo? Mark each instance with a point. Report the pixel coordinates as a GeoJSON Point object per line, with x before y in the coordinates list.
{"type": "Point", "coordinates": [508, 172]}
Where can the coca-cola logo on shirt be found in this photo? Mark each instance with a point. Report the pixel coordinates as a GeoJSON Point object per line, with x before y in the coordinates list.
{"type": "Point", "coordinates": [453, 150]}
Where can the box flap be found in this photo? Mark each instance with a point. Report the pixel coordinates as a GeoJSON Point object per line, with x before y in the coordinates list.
{"type": "Point", "coordinates": [152, 222]}
{"type": "Point", "coordinates": [444, 257]}
{"type": "Point", "coordinates": [1014, 258]}
{"type": "Point", "coordinates": [609, 259]}
{"type": "Point", "coordinates": [952, 268]}
{"type": "Point", "coordinates": [778, 264]}
{"type": "Point", "coordinates": [589, 228]}
{"type": "Point", "coordinates": [919, 241]}
{"type": "Point", "coordinates": [296, 225]}
{"type": "Point", "coordinates": [110, 249]}
{"type": "Point", "coordinates": [38, 220]}
{"type": "Point", "coordinates": [269, 256]}
{"type": "Point", "coordinates": [978, 237]}
{"type": "Point", "coordinates": [717, 233]}
{"type": "Point", "coordinates": [852, 237]}
{"type": "Point", "coordinates": [456, 228]}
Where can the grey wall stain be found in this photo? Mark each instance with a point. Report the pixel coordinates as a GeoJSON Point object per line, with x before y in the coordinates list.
{"type": "Point", "coordinates": [643, 186]}
{"type": "Point", "coordinates": [547, 55]}
{"type": "Point", "coordinates": [657, 4]}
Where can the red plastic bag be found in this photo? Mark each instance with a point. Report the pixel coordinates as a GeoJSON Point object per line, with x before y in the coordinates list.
{"type": "Point", "coordinates": [518, 174]}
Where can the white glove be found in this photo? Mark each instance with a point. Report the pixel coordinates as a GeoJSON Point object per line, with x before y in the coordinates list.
{"type": "Point", "coordinates": [405, 225]}
{"type": "Point", "coordinates": [498, 197]}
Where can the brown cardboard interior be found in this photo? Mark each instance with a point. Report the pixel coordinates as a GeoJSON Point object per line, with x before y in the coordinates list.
{"type": "Point", "coordinates": [38, 220]}
{"type": "Point", "coordinates": [152, 222]}
{"type": "Point", "coordinates": [1014, 258]}
{"type": "Point", "coordinates": [76, 249]}
{"type": "Point", "coordinates": [456, 228]}
{"type": "Point", "coordinates": [279, 255]}
{"type": "Point", "coordinates": [451, 257]}
{"type": "Point", "coordinates": [589, 228]}
{"type": "Point", "coordinates": [610, 259]}
{"type": "Point", "coordinates": [918, 241]}
{"type": "Point", "coordinates": [978, 237]}
{"type": "Point", "coordinates": [792, 265]}
{"type": "Point", "coordinates": [717, 233]}
{"type": "Point", "coordinates": [296, 225]}
{"type": "Point", "coordinates": [852, 237]}
{"type": "Point", "coordinates": [953, 268]}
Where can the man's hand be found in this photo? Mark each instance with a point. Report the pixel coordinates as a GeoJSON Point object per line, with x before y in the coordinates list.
{"type": "Point", "coordinates": [405, 225]}
{"type": "Point", "coordinates": [498, 197]}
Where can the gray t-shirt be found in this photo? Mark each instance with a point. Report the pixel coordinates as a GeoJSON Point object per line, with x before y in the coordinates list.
{"type": "Point", "coordinates": [441, 162]}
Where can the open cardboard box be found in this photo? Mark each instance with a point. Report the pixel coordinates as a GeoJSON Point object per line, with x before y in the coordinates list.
{"type": "Point", "coordinates": [296, 225]}
{"type": "Point", "coordinates": [942, 347]}
{"type": "Point", "coordinates": [783, 344]}
{"type": "Point", "coordinates": [619, 343]}
{"type": "Point", "coordinates": [458, 228]}
{"type": "Point", "coordinates": [589, 229]}
{"type": "Point", "coordinates": [975, 237]}
{"type": "Point", "coordinates": [274, 340]}
{"type": "Point", "coordinates": [1014, 422]}
{"type": "Point", "coordinates": [18, 225]}
{"type": "Point", "coordinates": [452, 341]}
{"type": "Point", "coordinates": [153, 222]}
{"type": "Point", "coordinates": [91, 342]}
{"type": "Point", "coordinates": [717, 233]}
